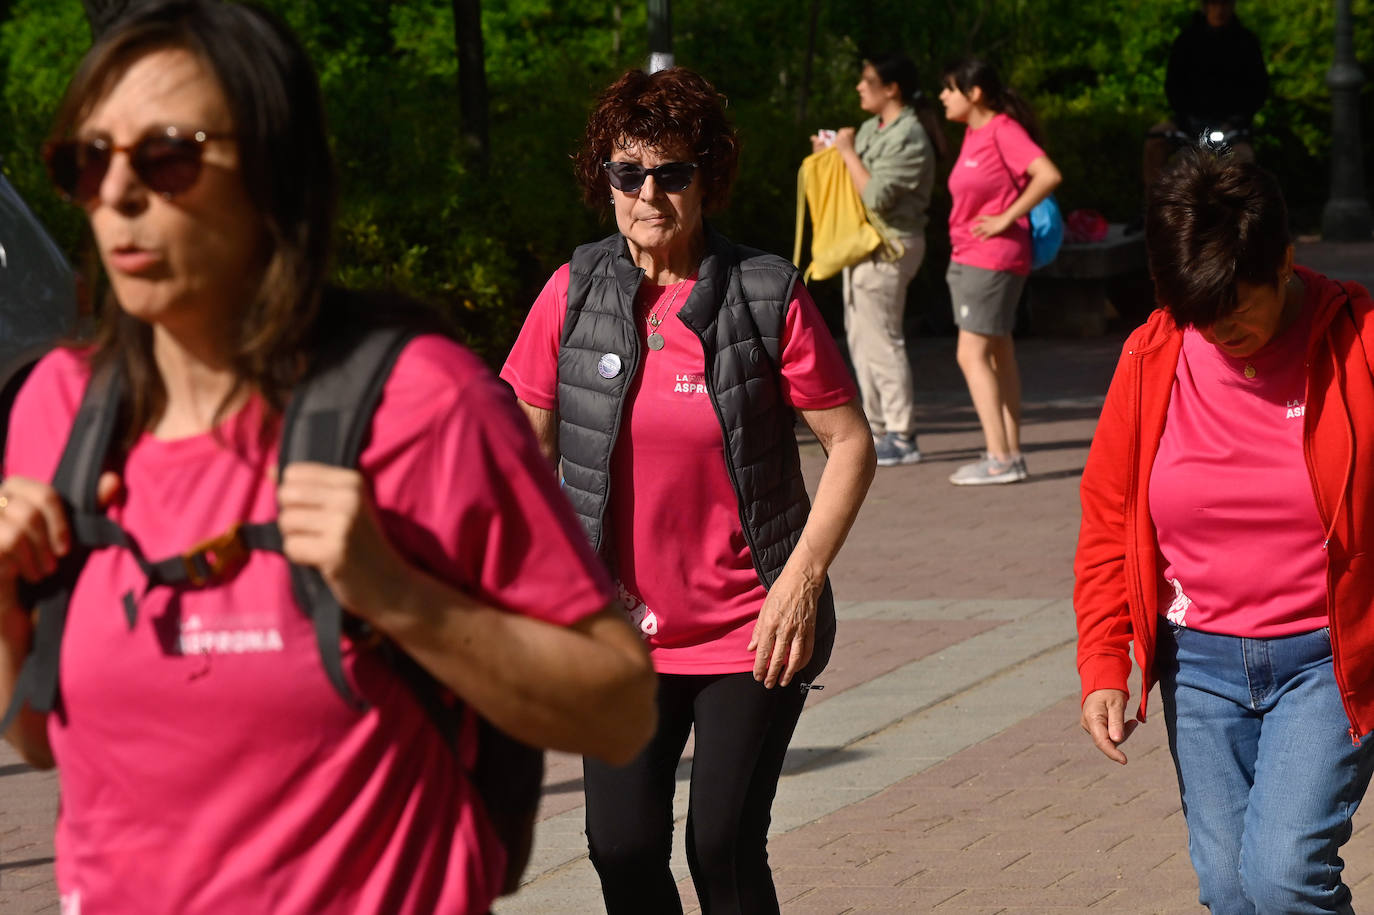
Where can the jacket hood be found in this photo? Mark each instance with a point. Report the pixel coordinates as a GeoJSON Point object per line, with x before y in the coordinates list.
{"type": "Point", "coordinates": [1157, 329]}
{"type": "Point", "coordinates": [1329, 295]}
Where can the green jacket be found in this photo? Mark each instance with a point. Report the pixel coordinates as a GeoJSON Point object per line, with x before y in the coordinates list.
{"type": "Point", "coordinates": [901, 166]}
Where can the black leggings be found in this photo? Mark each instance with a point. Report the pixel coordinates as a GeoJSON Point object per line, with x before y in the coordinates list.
{"type": "Point", "coordinates": [742, 732]}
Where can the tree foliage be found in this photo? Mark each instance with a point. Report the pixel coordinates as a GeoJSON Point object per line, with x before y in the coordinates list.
{"type": "Point", "coordinates": [418, 214]}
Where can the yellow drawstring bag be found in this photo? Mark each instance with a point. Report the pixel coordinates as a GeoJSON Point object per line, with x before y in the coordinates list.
{"type": "Point", "coordinates": [841, 233]}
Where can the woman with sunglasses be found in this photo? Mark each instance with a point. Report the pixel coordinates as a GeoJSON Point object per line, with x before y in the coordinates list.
{"type": "Point", "coordinates": [664, 366]}
{"type": "Point", "coordinates": [206, 764]}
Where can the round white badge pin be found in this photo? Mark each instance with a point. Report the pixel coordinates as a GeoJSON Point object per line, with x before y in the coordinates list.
{"type": "Point", "coordinates": [609, 366]}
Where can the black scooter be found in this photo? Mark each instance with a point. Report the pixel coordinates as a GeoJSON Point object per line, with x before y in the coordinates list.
{"type": "Point", "coordinates": [1214, 134]}
{"type": "Point", "coordinates": [1218, 135]}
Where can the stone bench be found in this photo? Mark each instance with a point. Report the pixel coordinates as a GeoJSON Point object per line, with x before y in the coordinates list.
{"type": "Point", "coordinates": [1070, 296]}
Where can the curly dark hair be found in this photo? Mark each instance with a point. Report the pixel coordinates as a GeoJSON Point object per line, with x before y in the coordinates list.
{"type": "Point", "coordinates": [660, 111]}
{"type": "Point", "coordinates": [1212, 222]}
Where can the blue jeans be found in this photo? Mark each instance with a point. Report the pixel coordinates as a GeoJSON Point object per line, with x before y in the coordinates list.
{"type": "Point", "coordinates": [1266, 767]}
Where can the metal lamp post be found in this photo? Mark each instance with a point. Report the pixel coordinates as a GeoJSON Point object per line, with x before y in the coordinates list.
{"type": "Point", "coordinates": [1347, 216]}
{"type": "Point", "coordinates": [660, 36]}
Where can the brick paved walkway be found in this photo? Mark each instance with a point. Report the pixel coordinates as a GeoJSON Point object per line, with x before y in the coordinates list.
{"type": "Point", "coordinates": [942, 769]}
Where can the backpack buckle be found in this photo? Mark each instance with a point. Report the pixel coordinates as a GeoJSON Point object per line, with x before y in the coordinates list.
{"type": "Point", "coordinates": [216, 558]}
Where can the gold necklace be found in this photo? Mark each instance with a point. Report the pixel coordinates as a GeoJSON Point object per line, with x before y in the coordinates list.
{"type": "Point", "coordinates": [1290, 302]}
{"type": "Point", "coordinates": [656, 318]}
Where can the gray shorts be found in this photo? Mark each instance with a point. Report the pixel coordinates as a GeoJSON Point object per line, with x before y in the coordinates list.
{"type": "Point", "coordinates": [984, 300]}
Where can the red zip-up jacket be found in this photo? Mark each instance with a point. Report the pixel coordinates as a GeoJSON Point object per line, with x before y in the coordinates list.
{"type": "Point", "coordinates": [1118, 566]}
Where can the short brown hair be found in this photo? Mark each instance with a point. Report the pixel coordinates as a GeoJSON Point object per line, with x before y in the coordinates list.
{"type": "Point", "coordinates": [659, 111]}
{"type": "Point", "coordinates": [1212, 222]}
{"type": "Point", "coordinates": [274, 100]}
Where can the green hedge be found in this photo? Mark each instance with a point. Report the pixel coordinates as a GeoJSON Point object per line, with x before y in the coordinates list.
{"type": "Point", "coordinates": [415, 217]}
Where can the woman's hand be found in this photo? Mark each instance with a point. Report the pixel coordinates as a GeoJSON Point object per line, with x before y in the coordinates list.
{"type": "Point", "coordinates": [586, 688]}
{"type": "Point", "coordinates": [34, 535]}
{"type": "Point", "coordinates": [844, 139]}
{"type": "Point", "coordinates": [328, 521]}
{"type": "Point", "coordinates": [988, 225]}
{"type": "Point", "coordinates": [785, 633]}
{"type": "Point", "coordinates": [1044, 178]}
{"type": "Point", "coordinates": [1103, 717]}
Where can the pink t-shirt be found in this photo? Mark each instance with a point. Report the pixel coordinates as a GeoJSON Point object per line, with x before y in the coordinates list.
{"type": "Point", "coordinates": [677, 545]}
{"type": "Point", "coordinates": [205, 762]}
{"type": "Point", "coordinates": [985, 180]}
{"type": "Point", "coordinates": [1231, 496]}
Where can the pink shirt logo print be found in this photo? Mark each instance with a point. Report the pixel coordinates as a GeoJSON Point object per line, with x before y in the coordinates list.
{"type": "Point", "coordinates": [228, 636]}
{"type": "Point", "coordinates": [641, 617]}
{"type": "Point", "coordinates": [1179, 608]}
{"type": "Point", "coordinates": [689, 383]}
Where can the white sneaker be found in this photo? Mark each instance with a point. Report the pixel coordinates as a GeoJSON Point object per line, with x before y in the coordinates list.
{"type": "Point", "coordinates": [988, 471]}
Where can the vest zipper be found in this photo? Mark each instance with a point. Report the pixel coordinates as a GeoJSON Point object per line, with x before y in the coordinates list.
{"type": "Point", "coordinates": [636, 355]}
{"type": "Point", "coordinates": [754, 556]}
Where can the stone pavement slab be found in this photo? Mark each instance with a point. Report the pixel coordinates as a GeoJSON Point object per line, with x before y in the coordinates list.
{"type": "Point", "coordinates": [28, 807]}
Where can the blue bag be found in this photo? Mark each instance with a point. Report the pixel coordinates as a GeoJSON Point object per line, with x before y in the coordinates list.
{"type": "Point", "coordinates": [1047, 232]}
{"type": "Point", "coordinates": [1046, 222]}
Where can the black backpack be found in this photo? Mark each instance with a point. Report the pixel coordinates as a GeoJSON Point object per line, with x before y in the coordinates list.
{"type": "Point", "coordinates": [327, 421]}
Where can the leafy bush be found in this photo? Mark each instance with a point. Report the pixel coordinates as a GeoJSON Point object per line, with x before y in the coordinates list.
{"type": "Point", "coordinates": [418, 214]}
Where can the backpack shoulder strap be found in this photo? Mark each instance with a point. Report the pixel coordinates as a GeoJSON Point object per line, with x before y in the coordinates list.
{"type": "Point", "coordinates": [83, 459]}
{"type": "Point", "coordinates": [13, 375]}
{"type": "Point", "coordinates": [327, 421]}
{"type": "Point", "coordinates": [330, 413]}
{"type": "Point", "coordinates": [88, 444]}
{"type": "Point", "coordinates": [92, 432]}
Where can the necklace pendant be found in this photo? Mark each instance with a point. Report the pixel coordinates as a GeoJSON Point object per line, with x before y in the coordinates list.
{"type": "Point", "coordinates": [655, 341]}
{"type": "Point", "coordinates": [1249, 371]}
{"type": "Point", "coordinates": [655, 320]}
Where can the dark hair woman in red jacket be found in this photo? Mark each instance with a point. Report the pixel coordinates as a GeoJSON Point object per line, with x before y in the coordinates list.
{"type": "Point", "coordinates": [1227, 502]}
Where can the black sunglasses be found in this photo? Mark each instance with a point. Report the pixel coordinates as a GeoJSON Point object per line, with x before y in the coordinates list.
{"type": "Point", "coordinates": [630, 176]}
{"type": "Point", "coordinates": [167, 161]}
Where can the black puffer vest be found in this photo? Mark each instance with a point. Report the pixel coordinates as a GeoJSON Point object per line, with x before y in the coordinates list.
{"type": "Point", "coordinates": [737, 309]}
